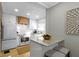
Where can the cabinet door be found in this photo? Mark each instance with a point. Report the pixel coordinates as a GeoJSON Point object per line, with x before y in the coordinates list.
{"type": "Point", "coordinates": [8, 44]}
{"type": "Point", "coordinates": [23, 20]}
{"type": "Point", "coordinates": [9, 32]}
{"type": "Point", "coordinates": [36, 49]}
{"type": "Point", "coordinates": [9, 26]}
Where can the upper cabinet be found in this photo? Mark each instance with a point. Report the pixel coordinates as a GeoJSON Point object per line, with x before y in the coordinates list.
{"type": "Point", "coordinates": [23, 20]}
{"type": "Point", "coordinates": [9, 26]}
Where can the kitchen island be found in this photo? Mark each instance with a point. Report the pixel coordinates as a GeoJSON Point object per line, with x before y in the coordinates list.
{"type": "Point", "coordinates": [40, 46]}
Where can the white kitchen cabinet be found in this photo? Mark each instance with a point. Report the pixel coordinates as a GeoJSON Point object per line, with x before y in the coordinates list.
{"type": "Point", "coordinates": [8, 44]}
{"type": "Point", "coordinates": [36, 50]}
{"type": "Point", "coordinates": [9, 26]}
{"type": "Point", "coordinates": [9, 32]}
{"type": "Point", "coordinates": [39, 46]}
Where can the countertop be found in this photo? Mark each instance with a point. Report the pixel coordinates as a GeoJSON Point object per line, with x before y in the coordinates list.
{"type": "Point", "coordinates": [46, 42]}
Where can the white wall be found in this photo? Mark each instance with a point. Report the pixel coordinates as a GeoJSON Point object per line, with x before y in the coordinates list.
{"type": "Point", "coordinates": [39, 24]}
{"type": "Point", "coordinates": [56, 17]}
{"type": "Point", "coordinates": [33, 24]}
{"type": "Point", "coordinates": [42, 25]}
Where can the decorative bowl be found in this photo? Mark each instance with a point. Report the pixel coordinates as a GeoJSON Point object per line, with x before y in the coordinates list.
{"type": "Point", "coordinates": [46, 37]}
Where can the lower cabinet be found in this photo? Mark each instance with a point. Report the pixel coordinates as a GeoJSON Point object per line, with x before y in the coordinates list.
{"type": "Point", "coordinates": [8, 44]}
{"type": "Point", "coordinates": [38, 50]}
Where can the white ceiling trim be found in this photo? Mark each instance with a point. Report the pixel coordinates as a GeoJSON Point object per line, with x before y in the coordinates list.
{"type": "Point", "coordinates": [43, 4]}
{"type": "Point", "coordinates": [48, 5]}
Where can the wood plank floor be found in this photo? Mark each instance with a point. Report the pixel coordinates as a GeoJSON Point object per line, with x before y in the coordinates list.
{"type": "Point", "coordinates": [21, 51]}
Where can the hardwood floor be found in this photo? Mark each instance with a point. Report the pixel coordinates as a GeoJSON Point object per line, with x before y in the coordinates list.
{"type": "Point", "coordinates": [21, 51]}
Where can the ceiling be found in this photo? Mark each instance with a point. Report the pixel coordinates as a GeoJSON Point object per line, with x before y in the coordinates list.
{"type": "Point", "coordinates": [48, 4]}
{"type": "Point", "coordinates": [33, 8]}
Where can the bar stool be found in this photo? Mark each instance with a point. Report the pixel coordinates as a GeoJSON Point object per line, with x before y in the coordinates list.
{"type": "Point", "coordinates": [53, 53]}
{"type": "Point", "coordinates": [63, 50]}
{"type": "Point", "coordinates": [58, 52]}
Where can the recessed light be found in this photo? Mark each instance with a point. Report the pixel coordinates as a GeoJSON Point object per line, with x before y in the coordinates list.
{"type": "Point", "coordinates": [16, 10]}
{"type": "Point", "coordinates": [28, 14]}
{"type": "Point", "coordinates": [37, 16]}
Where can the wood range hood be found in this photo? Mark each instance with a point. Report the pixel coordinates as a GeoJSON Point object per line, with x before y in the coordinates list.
{"type": "Point", "coordinates": [22, 20]}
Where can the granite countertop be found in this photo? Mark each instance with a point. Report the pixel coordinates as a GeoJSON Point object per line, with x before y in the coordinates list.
{"type": "Point", "coordinates": [46, 42]}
